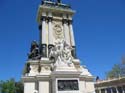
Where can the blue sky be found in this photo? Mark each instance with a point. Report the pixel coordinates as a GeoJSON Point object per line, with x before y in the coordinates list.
{"type": "Point", "coordinates": [99, 27]}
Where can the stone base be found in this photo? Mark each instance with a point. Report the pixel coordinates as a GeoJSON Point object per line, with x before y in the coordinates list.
{"type": "Point", "coordinates": [48, 80]}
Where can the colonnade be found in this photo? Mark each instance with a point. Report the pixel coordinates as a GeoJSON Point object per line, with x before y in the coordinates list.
{"type": "Point", "coordinates": [46, 33]}
{"type": "Point", "coordinates": [118, 89]}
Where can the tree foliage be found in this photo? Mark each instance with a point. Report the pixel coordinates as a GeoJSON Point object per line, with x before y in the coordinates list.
{"type": "Point", "coordinates": [115, 72]}
{"type": "Point", "coordinates": [19, 87]}
{"type": "Point", "coordinates": [10, 86]}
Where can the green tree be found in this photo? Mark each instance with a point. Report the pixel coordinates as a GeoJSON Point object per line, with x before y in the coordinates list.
{"type": "Point", "coordinates": [115, 72]}
{"type": "Point", "coordinates": [19, 87]}
{"type": "Point", "coordinates": [10, 86]}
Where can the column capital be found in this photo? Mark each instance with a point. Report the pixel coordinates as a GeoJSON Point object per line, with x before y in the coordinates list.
{"type": "Point", "coordinates": [43, 18]}
{"type": "Point", "coordinates": [70, 22]}
{"type": "Point", "coordinates": [50, 19]}
{"type": "Point", "coordinates": [64, 21]}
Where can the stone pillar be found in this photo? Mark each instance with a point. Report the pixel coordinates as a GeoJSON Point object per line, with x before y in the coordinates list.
{"type": "Point", "coordinates": [116, 89]}
{"type": "Point", "coordinates": [99, 90]}
{"type": "Point", "coordinates": [96, 91]}
{"type": "Point", "coordinates": [122, 89]}
{"type": "Point", "coordinates": [72, 40]}
{"type": "Point", "coordinates": [29, 87]}
{"type": "Point", "coordinates": [106, 90]}
{"type": "Point", "coordinates": [43, 48]}
{"type": "Point", "coordinates": [66, 29]}
{"type": "Point", "coordinates": [43, 87]}
{"type": "Point", "coordinates": [102, 90]}
{"type": "Point", "coordinates": [119, 88]}
{"type": "Point", "coordinates": [50, 33]}
{"type": "Point", "coordinates": [111, 90]}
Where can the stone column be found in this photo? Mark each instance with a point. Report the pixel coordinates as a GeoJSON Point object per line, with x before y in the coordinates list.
{"type": "Point", "coordinates": [99, 90]}
{"type": "Point", "coordinates": [50, 31]}
{"type": "Point", "coordinates": [116, 90]}
{"type": "Point", "coordinates": [111, 90]}
{"type": "Point", "coordinates": [50, 44]}
{"type": "Point", "coordinates": [43, 40]}
{"type": "Point", "coordinates": [44, 87]}
{"type": "Point", "coordinates": [66, 31]}
{"type": "Point", "coordinates": [96, 91]}
{"type": "Point", "coordinates": [106, 90]}
{"type": "Point", "coordinates": [72, 40]}
{"type": "Point", "coordinates": [122, 89]}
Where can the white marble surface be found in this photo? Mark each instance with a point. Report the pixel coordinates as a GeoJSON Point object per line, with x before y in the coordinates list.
{"type": "Point", "coordinates": [29, 87]}
{"type": "Point", "coordinates": [44, 87]}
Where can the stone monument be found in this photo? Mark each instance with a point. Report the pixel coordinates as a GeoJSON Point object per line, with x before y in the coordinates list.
{"type": "Point", "coordinates": [52, 65]}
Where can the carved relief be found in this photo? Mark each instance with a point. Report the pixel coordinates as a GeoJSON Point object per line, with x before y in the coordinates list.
{"type": "Point", "coordinates": [45, 68]}
{"type": "Point", "coordinates": [34, 68]}
{"type": "Point", "coordinates": [68, 85]}
{"type": "Point", "coordinates": [57, 30]}
{"type": "Point", "coordinates": [61, 53]}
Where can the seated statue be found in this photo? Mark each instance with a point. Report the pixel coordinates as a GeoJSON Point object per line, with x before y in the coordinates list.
{"type": "Point", "coordinates": [34, 51]}
{"type": "Point", "coordinates": [61, 53]}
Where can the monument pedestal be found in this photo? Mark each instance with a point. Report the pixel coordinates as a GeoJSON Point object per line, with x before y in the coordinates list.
{"type": "Point", "coordinates": [60, 80]}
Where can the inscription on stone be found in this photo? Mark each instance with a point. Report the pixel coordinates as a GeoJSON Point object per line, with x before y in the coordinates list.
{"type": "Point", "coordinates": [68, 85]}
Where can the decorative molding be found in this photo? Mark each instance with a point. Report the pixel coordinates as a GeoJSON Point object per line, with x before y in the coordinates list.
{"type": "Point", "coordinates": [45, 68]}
{"type": "Point", "coordinates": [50, 19]}
{"type": "Point", "coordinates": [34, 68]}
{"type": "Point", "coordinates": [43, 18]}
{"type": "Point", "coordinates": [58, 32]}
{"type": "Point", "coordinates": [64, 21]}
{"type": "Point", "coordinates": [70, 22]}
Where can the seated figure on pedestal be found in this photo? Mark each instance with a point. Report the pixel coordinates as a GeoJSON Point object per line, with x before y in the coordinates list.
{"type": "Point", "coordinates": [61, 53]}
{"type": "Point", "coordinates": [34, 51]}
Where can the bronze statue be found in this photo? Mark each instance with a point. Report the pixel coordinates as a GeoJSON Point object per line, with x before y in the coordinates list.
{"type": "Point", "coordinates": [34, 51]}
{"type": "Point", "coordinates": [28, 68]}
